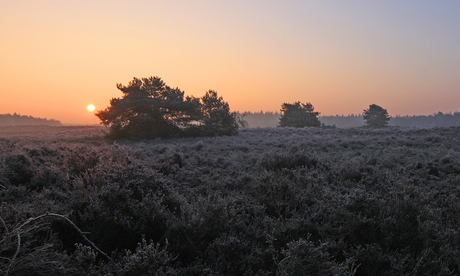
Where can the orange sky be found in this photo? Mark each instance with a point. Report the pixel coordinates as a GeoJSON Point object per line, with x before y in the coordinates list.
{"type": "Point", "coordinates": [56, 57]}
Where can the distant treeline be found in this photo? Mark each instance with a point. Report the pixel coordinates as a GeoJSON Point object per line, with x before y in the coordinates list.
{"type": "Point", "coordinates": [436, 120]}
{"type": "Point", "coordinates": [270, 119]}
{"type": "Point", "coordinates": [343, 121]}
{"type": "Point", "coordinates": [261, 119]}
{"type": "Point", "coordinates": [22, 120]}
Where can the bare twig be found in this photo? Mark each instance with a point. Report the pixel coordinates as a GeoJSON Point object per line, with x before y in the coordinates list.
{"type": "Point", "coordinates": [420, 260]}
{"type": "Point", "coordinates": [4, 225]}
{"type": "Point", "coordinates": [15, 254]}
{"type": "Point", "coordinates": [58, 216]}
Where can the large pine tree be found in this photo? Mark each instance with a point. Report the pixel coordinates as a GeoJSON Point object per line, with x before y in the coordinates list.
{"type": "Point", "coordinates": [150, 109]}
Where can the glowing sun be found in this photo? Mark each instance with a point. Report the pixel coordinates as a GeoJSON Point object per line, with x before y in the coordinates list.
{"type": "Point", "coordinates": [91, 108]}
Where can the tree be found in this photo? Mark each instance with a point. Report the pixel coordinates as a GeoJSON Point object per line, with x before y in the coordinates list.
{"type": "Point", "coordinates": [298, 115]}
{"type": "Point", "coordinates": [217, 117]}
{"type": "Point", "coordinates": [150, 109]}
{"type": "Point", "coordinates": [241, 119]}
{"type": "Point", "coordinates": [376, 116]}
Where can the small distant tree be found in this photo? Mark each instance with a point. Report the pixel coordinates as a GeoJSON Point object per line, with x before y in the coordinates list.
{"type": "Point", "coordinates": [376, 116]}
{"type": "Point", "coordinates": [298, 115]}
{"type": "Point", "coordinates": [150, 109]}
{"type": "Point", "coordinates": [241, 119]}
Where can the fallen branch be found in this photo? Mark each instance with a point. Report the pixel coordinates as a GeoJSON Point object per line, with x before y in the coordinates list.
{"type": "Point", "coordinates": [15, 254]}
{"type": "Point", "coordinates": [30, 220]}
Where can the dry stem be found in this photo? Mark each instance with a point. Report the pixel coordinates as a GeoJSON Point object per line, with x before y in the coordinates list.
{"type": "Point", "coordinates": [30, 220]}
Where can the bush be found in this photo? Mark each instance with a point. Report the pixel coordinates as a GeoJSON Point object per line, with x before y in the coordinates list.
{"type": "Point", "coordinates": [279, 201]}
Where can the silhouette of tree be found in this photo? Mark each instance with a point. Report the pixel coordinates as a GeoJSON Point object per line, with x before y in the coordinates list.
{"type": "Point", "coordinates": [376, 116]}
{"type": "Point", "coordinates": [150, 109]}
{"type": "Point", "coordinates": [217, 118]}
{"type": "Point", "coordinates": [298, 115]}
{"type": "Point", "coordinates": [241, 119]}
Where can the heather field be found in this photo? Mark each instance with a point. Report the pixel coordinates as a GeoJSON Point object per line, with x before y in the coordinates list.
{"type": "Point", "coordinates": [288, 201]}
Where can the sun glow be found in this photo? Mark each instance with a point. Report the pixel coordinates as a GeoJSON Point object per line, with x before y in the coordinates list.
{"type": "Point", "coordinates": [91, 107]}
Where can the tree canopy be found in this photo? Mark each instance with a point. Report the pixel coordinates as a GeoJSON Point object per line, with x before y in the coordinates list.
{"type": "Point", "coordinates": [376, 116]}
{"type": "Point", "coordinates": [298, 115]}
{"type": "Point", "coordinates": [150, 109]}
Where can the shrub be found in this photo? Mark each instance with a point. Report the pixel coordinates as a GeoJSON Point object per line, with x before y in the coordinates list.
{"type": "Point", "coordinates": [264, 202]}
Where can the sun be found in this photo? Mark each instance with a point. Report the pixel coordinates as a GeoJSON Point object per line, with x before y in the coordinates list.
{"type": "Point", "coordinates": [91, 108]}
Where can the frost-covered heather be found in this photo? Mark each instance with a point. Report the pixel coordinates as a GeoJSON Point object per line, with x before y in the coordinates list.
{"type": "Point", "coordinates": [51, 133]}
{"type": "Point", "coordinates": [265, 202]}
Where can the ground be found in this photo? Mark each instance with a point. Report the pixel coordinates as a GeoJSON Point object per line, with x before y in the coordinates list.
{"type": "Point", "coordinates": [264, 202]}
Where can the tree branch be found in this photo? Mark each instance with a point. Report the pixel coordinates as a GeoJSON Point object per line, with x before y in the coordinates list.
{"type": "Point", "coordinates": [30, 220]}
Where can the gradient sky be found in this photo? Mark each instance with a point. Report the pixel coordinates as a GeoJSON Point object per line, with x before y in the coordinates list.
{"type": "Point", "coordinates": [56, 57]}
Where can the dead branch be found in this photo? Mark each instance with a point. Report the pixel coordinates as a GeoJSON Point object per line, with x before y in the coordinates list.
{"type": "Point", "coordinates": [30, 220]}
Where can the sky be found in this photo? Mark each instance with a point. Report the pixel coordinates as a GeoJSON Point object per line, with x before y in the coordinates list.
{"type": "Point", "coordinates": [57, 56]}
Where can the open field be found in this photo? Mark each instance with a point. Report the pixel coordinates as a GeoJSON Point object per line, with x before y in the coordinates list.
{"type": "Point", "coordinates": [46, 133]}
{"type": "Point", "coordinates": [264, 202]}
